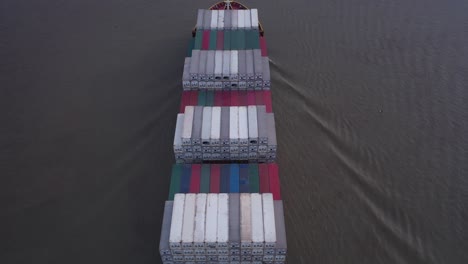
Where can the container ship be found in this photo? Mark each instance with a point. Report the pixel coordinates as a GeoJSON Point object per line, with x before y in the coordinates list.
{"type": "Point", "coordinates": [224, 203]}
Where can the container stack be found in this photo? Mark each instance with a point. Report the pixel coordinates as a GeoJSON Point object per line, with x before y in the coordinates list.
{"type": "Point", "coordinates": [224, 203]}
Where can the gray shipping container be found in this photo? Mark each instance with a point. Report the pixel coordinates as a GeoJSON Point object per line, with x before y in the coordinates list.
{"type": "Point", "coordinates": [178, 134]}
{"type": "Point", "coordinates": [197, 125]}
{"type": "Point", "coordinates": [218, 72]}
{"type": "Point", "coordinates": [249, 64]}
{"type": "Point", "coordinates": [271, 132]}
{"type": "Point", "coordinates": [226, 68]}
{"type": "Point", "coordinates": [194, 65]}
{"type": "Point", "coordinates": [281, 242]}
{"type": "Point", "coordinates": [227, 19]}
{"type": "Point", "coordinates": [186, 74]}
{"type": "Point", "coordinates": [234, 19]}
{"type": "Point", "coordinates": [266, 73]}
{"type": "Point", "coordinates": [207, 19]}
{"type": "Point", "coordinates": [234, 221]}
{"type": "Point", "coordinates": [210, 67]}
{"type": "Point", "coordinates": [262, 125]}
{"type": "Point", "coordinates": [164, 248]}
{"type": "Point", "coordinates": [224, 126]}
{"type": "Point", "coordinates": [202, 65]}
{"type": "Point", "coordinates": [188, 123]}
{"type": "Point", "coordinates": [200, 18]}
{"type": "Point", "coordinates": [258, 64]}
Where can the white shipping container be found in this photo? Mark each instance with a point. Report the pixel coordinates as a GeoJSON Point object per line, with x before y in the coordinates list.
{"type": "Point", "coordinates": [262, 125]}
{"type": "Point", "coordinates": [218, 70]}
{"type": "Point", "coordinates": [226, 64]}
{"type": "Point", "coordinates": [241, 19]}
{"type": "Point", "coordinates": [188, 220]}
{"type": "Point", "coordinates": [234, 22]}
{"type": "Point", "coordinates": [175, 236]}
{"type": "Point", "coordinates": [178, 134]}
{"type": "Point", "coordinates": [200, 214]}
{"type": "Point", "coordinates": [246, 220]}
{"type": "Point", "coordinates": [243, 126]}
{"type": "Point", "coordinates": [202, 66]}
{"type": "Point", "coordinates": [234, 74]}
{"type": "Point", "coordinates": [214, 20]}
{"type": "Point", "coordinates": [200, 19]}
{"type": "Point", "coordinates": [247, 21]}
{"type": "Point", "coordinates": [258, 65]}
{"type": "Point", "coordinates": [269, 227]}
{"type": "Point", "coordinates": [234, 125]}
{"type": "Point", "coordinates": [206, 126]}
{"type": "Point", "coordinates": [220, 20]}
{"type": "Point", "coordinates": [266, 73]}
{"type": "Point", "coordinates": [223, 221]}
{"type": "Point", "coordinates": [270, 118]}
{"type": "Point", "coordinates": [257, 220]}
{"type": "Point", "coordinates": [254, 18]}
{"type": "Point", "coordinates": [164, 248]}
{"type": "Point", "coordinates": [187, 127]}
{"type": "Point", "coordinates": [253, 125]}
{"type": "Point", "coordinates": [211, 227]}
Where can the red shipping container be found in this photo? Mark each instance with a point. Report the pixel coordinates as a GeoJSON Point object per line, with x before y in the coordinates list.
{"type": "Point", "coordinates": [218, 100]}
{"type": "Point", "coordinates": [185, 100]}
{"type": "Point", "coordinates": [226, 99]}
{"type": "Point", "coordinates": [250, 97]}
{"type": "Point", "coordinates": [259, 98]}
{"type": "Point", "coordinates": [234, 98]}
{"type": "Point", "coordinates": [242, 98]}
{"type": "Point", "coordinates": [220, 40]}
{"type": "Point", "coordinates": [194, 98]}
{"type": "Point", "coordinates": [267, 100]}
{"type": "Point", "coordinates": [195, 178]}
{"type": "Point", "coordinates": [274, 181]}
{"type": "Point", "coordinates": [214, 178]}
{"type": "Point", "coordinates": [206, 40]}
{"type": "Point", "coordinates": [264, 178]}
{"type": "Point", "coordinates": [263, 47]}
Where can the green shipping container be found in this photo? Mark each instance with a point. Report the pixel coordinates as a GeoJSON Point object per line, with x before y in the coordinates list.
{"type": "Point", "coordinates": [213, 36]}
{"type": "Point", "coordinates": [175, 181]}
{"type": "Point", "coordinates": [234, 39]}
{"type": "Point", "coordinates": [255, 38]}
{"type": "Point", "coordinates": [241, 40]}
{"type": "Point", "coordinates": [254, 180]}
{"type": "Point", "coordinates": [205, 178]}
{"type": "Point", "coordinates": [227, 39]}
{"type": "Point", "coordinates": [202, 98]}
{"type": "Point", "coordinates": [190, 47]}
{"type": "Point", "coordinates": [198, 40]}
{"type": "Point", "coordinates": [209, 98]}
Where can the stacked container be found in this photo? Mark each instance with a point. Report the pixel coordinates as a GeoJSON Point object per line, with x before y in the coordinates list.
{"type": "Point", "coordinates": [224, 203]}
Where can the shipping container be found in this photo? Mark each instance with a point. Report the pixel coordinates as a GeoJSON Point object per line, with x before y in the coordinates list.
{"type": "Point", "coordinates": [234, 19]}
{"type": "Point", "coordinates": [164, 248]}
{"type": "Point", "coordinates": [258, 65]}
{"type": "Point", "coordinates": [263, 47]}
{"type": "Point", "coordinates": [205, 178]}
{"type": "Point", "coordinates": [234, 71]}
{"type": "Point", "coordinates": [187, 127]}
{"type": "Point", "coordinates": [233, 125]}
{"type": "Point", "coordinates": [209, 98]}
{"type": "Point", "coordinates": [270, 118]}
{"type": "Point", "coordinates": [241, 40]}
{"type": "Point", "coordinates": [227, 40]}
{"type": "Point", "coordinates": [200, 18]}
{"type": "Point", "coordinates": [175, 234]}
{"type": "Point", "coordinates": [234, 178]}
{"type": "Point", "coordinates": [178, 134]}
{"type": "Point", "coordinates": [245, 221]}
{"type": "Point", "coordinates": [215, 174]}
{"type": "Point", "coordinates": [241, 19]}
{"type": "Point", "coordinates": [207, 19]}
{"type": "Point", "coordinates": [242, 69]}
{"type": "Point", "coordinates": [195, 178]}
{"type": "Point", "coordinates": [190, 47]}
{"type": "Point", "coordinates": [224, 179]}
{"type": "Point", "coordinates": [218, 72]}
{"type": "Point", "coordinates": [227, 20]}
{"type": "Point", "coordinates": [197, 125]}
{"type": "Point", "coordinates": [254, 182]}
{"type": "Point", "coordinates": [251, 100]}
{"type": "Point", "coordinates": [206, 127]}
{"type": "Point", "coordinates": [194, 65]}
{"type": "Point", "coordinates": [213, 39]}
{"type": "Point", "coordinates": [186, 74]}
{"type": "Point", "coordinates": [176, 175]}
{"type": "Point", "coordinates": [269, 225]}
{"type": "Point", "coordinates": [281, 243]}
{"type": "Point", "coordinates": [215, 126]}
{"type": "Point", "coordinates": [226, 68]}
{"type": "Point", "coordinates": [210, 69]}
{"type": "Point", "coordinates": [262, 126]}
{"type": "Point", "coordinates": [225, 113]}
{"type": "Point", "coordinates": [274, 181]}
{"type": "Point", "coordinates": [254, 18]}
{"type": "Point", "coordinates": [185, 179]}
{"type": "Point", "coordinates": [218, 98]}
{"type": "Point", "coordinates": [188, 221]}
{"type": "Point", "coordinates": [221, 19]}
{"type": "Point", "coordinates": [253, 127]}
{"type": "Point", "coordinates": [211, 220]}
{"type": "Point", "coordinates": [233, 39]}
{"type": "Point", "coordinates": [223, 221]}
{"type": "Point", "coordinates": [264, 178]}
{"type": "Point", "coordinates": [267, 100]}
{"type": "Point", "coordinates": [247, 20]}
{"type": "Point", "coordinates": [185, 101]}
{"type": "Point", "coordinates": [266, 73]}
{"type": "Point", "coordinates": [234, 96]}
{"type": "Point", "coordinates": [249, 62]}
{"type": "Point", "coordinates": [243, 127]}
{"type": "Point", "coordinates": [220, 40]}
{"type": "Point", "coordinates": [226, 101]}
{"type": "Point", "coordinates": [234, 222]}
{"type": "Point", "coordinates": [200, 216]}
{"type": "Point", "coordinates": [197, 45]}
{"type": "Point", "coordinates": [206, 40]}
{"type": "Point", "coordinates": [214, 19]}
{"type": "Point", "coordinates": [257, 220]}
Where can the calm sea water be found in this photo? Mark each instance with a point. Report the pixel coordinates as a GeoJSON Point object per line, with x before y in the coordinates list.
{"type": "Point", "coordinates": [370, 100]}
